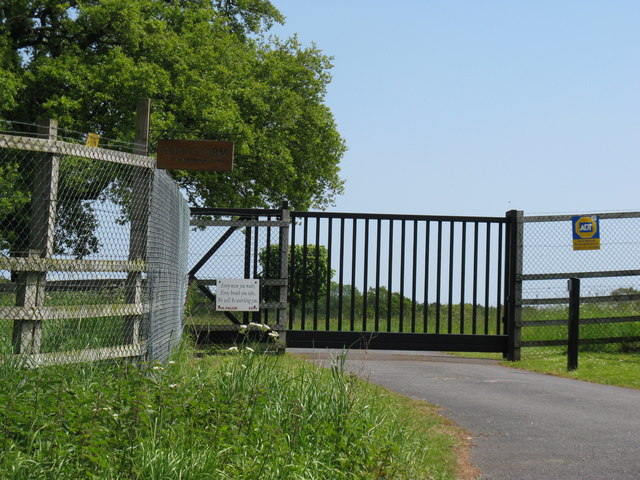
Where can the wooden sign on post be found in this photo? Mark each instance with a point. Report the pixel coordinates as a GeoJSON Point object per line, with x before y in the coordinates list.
{"type": "Point", "coordinates": [209, 155]}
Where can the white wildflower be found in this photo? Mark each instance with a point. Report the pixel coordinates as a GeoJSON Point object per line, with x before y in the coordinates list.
{"type": "Point", "coordinates": [173, 385]}
{"type": "Point", "coordinates": [158, 367]}
{"type": "Point", "coordinates": [274, 335]}
{"type": "Point", "coordinates": [171, 362]}
{"type": "Point", "coordinates": [249, 349]}
{"type": "Point", "coordinates": [115, 416]}
{"type": "Point", "coordinates": [233, 349]}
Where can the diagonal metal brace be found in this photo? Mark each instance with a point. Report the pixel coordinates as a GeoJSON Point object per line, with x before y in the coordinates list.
{"type": "Point", "coordinates": [207, 293]}
{"type": "Point", "coordinates": [211, 251]}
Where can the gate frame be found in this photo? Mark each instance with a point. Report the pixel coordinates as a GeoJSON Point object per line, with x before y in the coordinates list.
{"type": "Point", "coordinates": [248, 218]}
{"type": "Point", "coordinates": [507, 343]}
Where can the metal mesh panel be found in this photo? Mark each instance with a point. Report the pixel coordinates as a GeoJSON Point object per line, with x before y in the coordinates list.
{"type": "Point", "coordinates": [73, 275]}
{"type": "Point", "coordinates": [228, 246]}
{"type": "Point", "coordinates": [167, 259]}
{"type": "Point", "coordinates": [610, 285]}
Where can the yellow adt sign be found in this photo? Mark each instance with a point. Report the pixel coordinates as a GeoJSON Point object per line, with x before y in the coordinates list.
{"type": "Point", "coordinates": [586, 233]}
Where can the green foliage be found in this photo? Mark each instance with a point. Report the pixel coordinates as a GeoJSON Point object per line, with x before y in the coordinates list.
{"type": "Point", "coordinates": [212, 72]}
{"type": "Point", "coordinates": [235, 416]}
{"type": "Point", "coordinates": [303, 261]}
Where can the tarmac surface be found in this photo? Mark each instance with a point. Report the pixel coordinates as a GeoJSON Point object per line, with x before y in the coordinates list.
{"type": "Point", "coordinates": [524, 425]}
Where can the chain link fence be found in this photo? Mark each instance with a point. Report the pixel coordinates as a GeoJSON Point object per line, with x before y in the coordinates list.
{"type": "Point", "coordinates": [610, 285]}
{"type": "Point", "coordinates": [237, 244]}
{"type": "Point", "coordinates": [76, 279]}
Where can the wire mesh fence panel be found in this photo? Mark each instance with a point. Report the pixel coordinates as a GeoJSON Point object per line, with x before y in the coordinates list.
{"type": "Point", "coordinates": [237, 245]}
{"type": "Point", "coordinates": [74, 283]}
{"type": "Point", "coordinates": [610, 285]}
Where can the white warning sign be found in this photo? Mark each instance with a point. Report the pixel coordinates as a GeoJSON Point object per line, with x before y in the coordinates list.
{"type": "Point", "coordinates": [237, 295]}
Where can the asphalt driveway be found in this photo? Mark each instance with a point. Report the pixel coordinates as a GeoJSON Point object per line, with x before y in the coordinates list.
{"type": "Point", "coordinates": [524, 426]}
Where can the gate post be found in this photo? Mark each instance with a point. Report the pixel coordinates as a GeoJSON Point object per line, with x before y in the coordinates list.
{"type": "Point", "coordinates": [284, 273]}
{"type": "Point", "coordinates": [514, 283]}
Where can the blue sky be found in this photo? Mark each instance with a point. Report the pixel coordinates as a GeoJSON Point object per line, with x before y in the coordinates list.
{"type": "Point", "coordinates": [479, 107]}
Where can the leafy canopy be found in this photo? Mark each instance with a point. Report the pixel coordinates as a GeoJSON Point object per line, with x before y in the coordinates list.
{"type": "Point", "coordinates": [210, 68]}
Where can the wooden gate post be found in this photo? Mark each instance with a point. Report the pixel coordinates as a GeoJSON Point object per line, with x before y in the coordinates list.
{"type": "Point", "coordinates": [514, 284]}
{"type": "Point", "coordinates": [139, 211]}
{"type": "Point", "coordinates": [27, 334]}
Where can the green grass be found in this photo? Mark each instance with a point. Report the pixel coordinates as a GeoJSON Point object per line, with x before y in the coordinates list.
{"type": "Point", "coordinates": [242, 415]}
{"type": "Point", "coordinates": [618, 369]}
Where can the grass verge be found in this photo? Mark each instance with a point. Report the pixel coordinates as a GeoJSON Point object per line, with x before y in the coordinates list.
{"type": "Point", "coordinates": [242, 415]}
{"type": "Point", "coordinates": [619, 369]}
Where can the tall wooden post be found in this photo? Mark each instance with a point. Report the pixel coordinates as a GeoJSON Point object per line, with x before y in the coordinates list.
{"type": "Point", "coordinates": [27, 334]}
{"type": "Point", "coordinates": [139, 211]}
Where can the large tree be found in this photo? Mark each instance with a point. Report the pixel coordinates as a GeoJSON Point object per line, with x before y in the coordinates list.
{"type": "Point", "coordinates": [212, 72]}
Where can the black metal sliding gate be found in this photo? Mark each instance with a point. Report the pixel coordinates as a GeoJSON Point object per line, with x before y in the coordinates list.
{"type": "Point", "coordinates": [407, 282]}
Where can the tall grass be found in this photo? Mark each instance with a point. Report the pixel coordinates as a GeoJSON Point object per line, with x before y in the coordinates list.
{"type": "Point", "coordinates": [241, 415]}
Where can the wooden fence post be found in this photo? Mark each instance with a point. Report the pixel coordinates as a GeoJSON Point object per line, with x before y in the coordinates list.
{"type": "Point", "coordinates": [574, 324]}
{"type": "Point", "coordinates": [139, 211]}
{"type": "Point", "coordinates": [27, 334]}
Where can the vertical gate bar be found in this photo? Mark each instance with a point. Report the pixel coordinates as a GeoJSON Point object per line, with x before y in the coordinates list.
{"type": "Point", "coordinates": [247, 264]}
{"type": "Point", "coordinates": [255, 315]}
{"type": "Point", "coordinates": [376, 320]}
{"type": "Point", "coordinates": [403, 229]}
{"type": "Point", "coordinates": [425, 305]}
{"type": "Point", "coordinates": [499, 279]}
{"type": "Point", "coordinates": [414, 274]}
{"type": "Point", "coordinates": [352, 309]}
{"type": "Point", "coordinates": [390, 276]}
{"type": "Point", "coordinates": [304, 270]}
{"type": "Point", "coordinates": [487, 274]}
{"type": "Point", "coordinates": [474, 306]}
{"type": "Point", "coordinates": [341, 274]}
{"type": "Point", "coordinates": [267, 271]}
{"type": "Point", "coordinates": [463, 268]}
{"type": "Point", "coordinates": [450, 293]}
{"type": "Point", "coordinates": [438, 276]}
{"type": "Point", "coordinates": [316, 279]}
{"type": "Point", "coordinates": [327, 313]}
{"type": "Point", "coordinates": [292, 273]}
{"type": "Point", "coordinates": [255, 252]}
{"type": "Point", "coordinates": [365, 281]}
